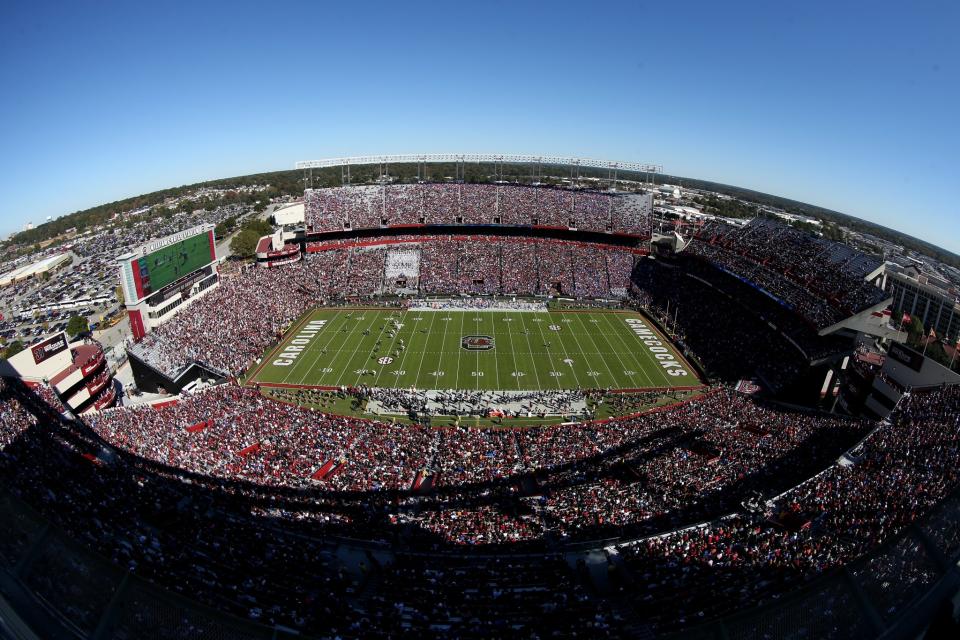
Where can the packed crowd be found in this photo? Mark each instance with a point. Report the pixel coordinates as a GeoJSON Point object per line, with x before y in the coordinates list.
{"type": "Point", "coordinates": [471, 304]}
{"type": "Point", "coordinates": [693, 458]}
{"type": "Point", "coordinates": [371, 207]}
{"type": "Point", "coordinates": [464, 402]}
{"type": "Point", "coordinates": [901, 471]}
{"type": "Point", "coordinates": [823, 281]}
{"type": "Point", "coordinates": [254, 551]}
{"type": "Point", "coordinates": [479, 265]}
{"type": "Point", "coordinates": [231, 326]}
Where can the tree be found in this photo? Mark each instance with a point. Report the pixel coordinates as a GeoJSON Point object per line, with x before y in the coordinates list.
{"type": "Point", "coordinates": [13, 349]}
{"type": "Point", "coordinates": [915, 332]}
{"type": "Point", "coordinates": [76, 325]}
{"type": "Point", "coordinates": [258, 226]}
{"type": "Point", "coordinates": [244, 244]}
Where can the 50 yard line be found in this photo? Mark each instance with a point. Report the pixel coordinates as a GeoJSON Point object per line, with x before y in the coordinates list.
{"type": "Point", "coordinates": [393, 343]}
{"type": "Point", "coordinates": [456, 385]}
{"type": "Point", "coordinates": [476, 331]}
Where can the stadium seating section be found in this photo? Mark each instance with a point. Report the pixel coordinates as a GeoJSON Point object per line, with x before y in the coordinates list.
{"type": "Point", "coordinates": [188, 503]}
{"type": "Point", "coordinates": [822, 281]}
{"type": "Point", "coordinates": [373, 207]}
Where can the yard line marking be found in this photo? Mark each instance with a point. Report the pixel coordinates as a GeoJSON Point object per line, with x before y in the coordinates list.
{"type": "Point", "coordinates": [346, 365]}
{"type": "Point", "coordinates": [496, 356]}
{"type": "Point", "coordinates": [622, 363]}
{"type": "Point", "coordinates": [476, 331]}
{"type": "Point", "coordinates": [652, 358]}
{"type": "Point", "coordinates": [306, 378]}
{"type": "Point", "coordinates": [393, 343]}
{"type": "Point", "coordinates": [424, 353]}
{"type": "Point", "coordinates": [305, 354]}
{"type": "Point", "coordinates": [513, 352]}
{"type": "Point", "coordinates": [530, 346]}
{"type": "Point", "coordinates": [642, 367]}
{"type": "Point", "coordinates": [613, 378]}
{"type": "Point", "coordinates": [573, 365]}
{"type": "Point", "coordinates": [462, 317]}
{"type": "Point", "coordinates": [386, 322]}
{"type": "Point", "coordinates": [550, 355]}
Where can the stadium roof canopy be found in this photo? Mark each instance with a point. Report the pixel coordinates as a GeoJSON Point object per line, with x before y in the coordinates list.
{"type": "Point", "coordinates": [290, 214]}
{"type": "Point", "coordinates": [642, 167]}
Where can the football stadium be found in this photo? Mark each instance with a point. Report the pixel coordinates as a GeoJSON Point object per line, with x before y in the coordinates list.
{"type": "Point", "coordinates": [515, 405]}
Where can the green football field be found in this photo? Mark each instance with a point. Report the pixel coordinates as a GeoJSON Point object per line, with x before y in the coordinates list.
{"type": "Point", "coordinates": [491, 350]}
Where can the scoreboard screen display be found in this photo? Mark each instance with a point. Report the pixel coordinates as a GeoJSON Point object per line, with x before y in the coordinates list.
{"type": "Point", "coordinates": [168, 264]}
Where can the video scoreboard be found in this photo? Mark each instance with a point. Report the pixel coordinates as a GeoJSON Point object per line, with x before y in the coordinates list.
{"type": "Point", "coordinates": [163, 262]}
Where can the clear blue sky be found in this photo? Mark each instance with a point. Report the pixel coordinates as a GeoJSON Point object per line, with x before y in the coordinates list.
{"type": "Point", "coordinates": [849, 105]}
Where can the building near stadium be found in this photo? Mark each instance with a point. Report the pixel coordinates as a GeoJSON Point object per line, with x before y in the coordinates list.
{"type": "Point", "coordinates": [35, 269]}
{"type": "Point", "coordinates": [289, 216]}
{"type": "Point", "coordinates": [274, 251]}
{"type": "Point", "coordinates": [77, 372]}
{"type": "Point", "coordinates": [926, 296]}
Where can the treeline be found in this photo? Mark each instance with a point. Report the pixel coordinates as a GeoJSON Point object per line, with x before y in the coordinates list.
{"type": "Point", "coordinates": [281, 183]}
{"type": "Point", "coordinates": [726, 208]}
{"type": "Point", "coordinates": [293, 182]}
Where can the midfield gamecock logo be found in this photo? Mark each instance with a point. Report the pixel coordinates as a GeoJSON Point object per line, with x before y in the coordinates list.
{"type": "Point", "coordinates": [477, 343]}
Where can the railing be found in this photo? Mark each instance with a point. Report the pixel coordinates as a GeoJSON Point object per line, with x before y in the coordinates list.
{"type": "Point", "coordinates": [92, 363]}
{"type": "Point", "coordinates": [104, 399]}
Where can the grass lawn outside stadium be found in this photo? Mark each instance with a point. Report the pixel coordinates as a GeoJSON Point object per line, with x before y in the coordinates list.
{"type": "Point", "coordinates": [477, 350]}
